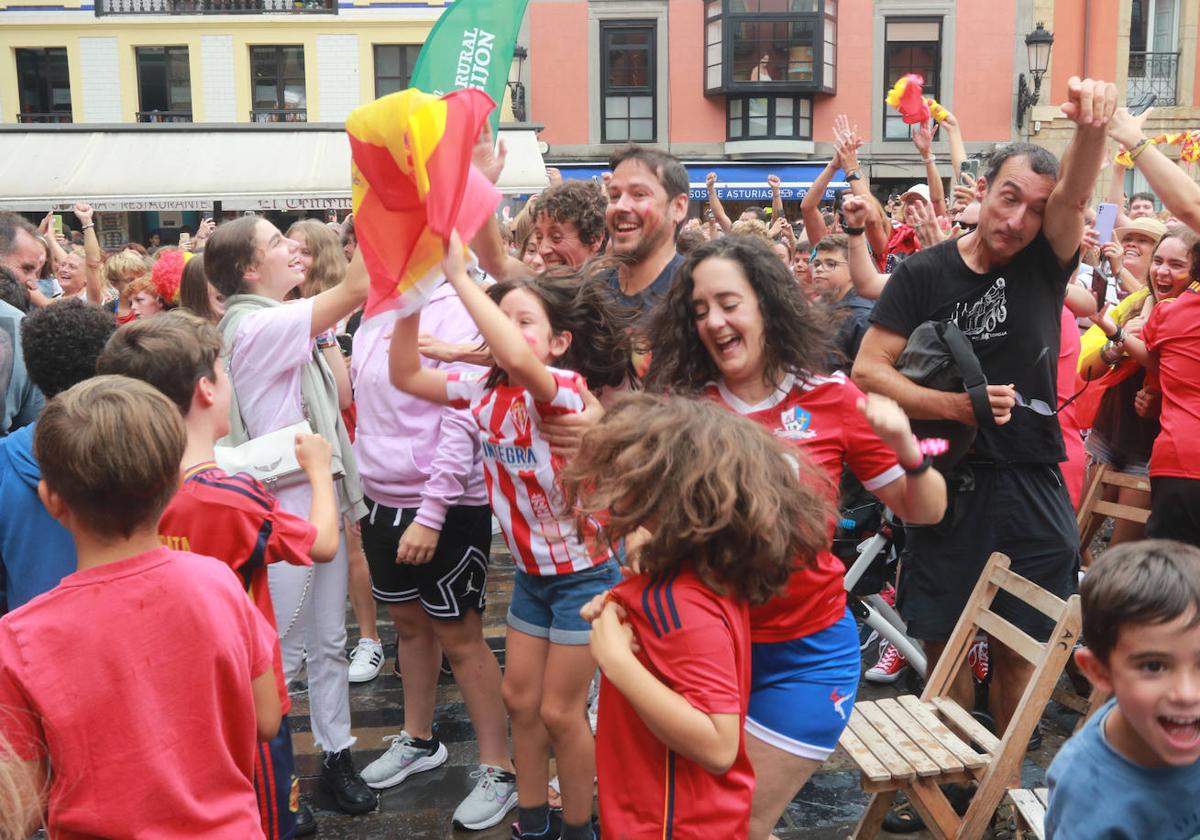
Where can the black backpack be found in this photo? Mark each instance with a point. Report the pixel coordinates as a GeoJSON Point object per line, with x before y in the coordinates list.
{"type": "Point", "coordinates": [940, 357]}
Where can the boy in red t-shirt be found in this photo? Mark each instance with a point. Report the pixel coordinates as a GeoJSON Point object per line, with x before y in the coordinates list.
{"type": "Point", "coordinates": [130, 743]}
{"type": "Point", "coordinates": [232, 517]}
{"type": "Point", "coordinates": [673, 639]}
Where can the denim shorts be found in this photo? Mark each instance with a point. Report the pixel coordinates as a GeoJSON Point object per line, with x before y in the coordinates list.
{"type": "Point", "coordinates": [547, 606]}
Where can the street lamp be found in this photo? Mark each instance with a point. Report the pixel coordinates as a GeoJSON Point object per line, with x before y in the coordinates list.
{"type": "Point", "coordinates": [1038, 43]}
{"type": "Point", "coordinates": [516, 87]}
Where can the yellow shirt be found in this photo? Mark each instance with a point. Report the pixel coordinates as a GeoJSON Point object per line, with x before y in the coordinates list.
{"type": "Point", "coordinates": [1093, 341]}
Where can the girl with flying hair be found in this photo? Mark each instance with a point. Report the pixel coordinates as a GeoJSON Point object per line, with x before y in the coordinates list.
{"type": "Point", "coordinates": [737, 329]}
{"type": "Point", "coordinates": [726, 516]}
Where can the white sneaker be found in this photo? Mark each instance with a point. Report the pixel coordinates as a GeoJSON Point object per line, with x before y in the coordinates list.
{"type": "Point", "coordinates": [495, 794]}
{"type": "Point", "coordinates": [403, 759]}
{"type": "Point", "coordinates": [366, 660]}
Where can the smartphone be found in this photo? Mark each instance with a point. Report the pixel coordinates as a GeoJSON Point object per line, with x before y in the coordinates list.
{"type": "Point", "coordinates": [969, 167]}
{"type": "Point", "coordinates": [184, 239]}
{"type": "Point", "coordinates": [1106, 220]}
{"type": "Point", "coordinates": [1142, 104]}
{"type": "Point", "coordinates": [56, 223]}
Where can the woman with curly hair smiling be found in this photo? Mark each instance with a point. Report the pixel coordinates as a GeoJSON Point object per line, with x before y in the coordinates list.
{"type": "Point", "coordinates": [737, 329]}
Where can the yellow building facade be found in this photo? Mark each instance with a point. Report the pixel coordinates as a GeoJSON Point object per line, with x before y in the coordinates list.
{"type": "Point", "coordinates": [102, 42]}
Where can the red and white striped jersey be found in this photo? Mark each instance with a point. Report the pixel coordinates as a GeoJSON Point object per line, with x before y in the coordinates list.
{"type": "Point", "coordinates": [522, 474]}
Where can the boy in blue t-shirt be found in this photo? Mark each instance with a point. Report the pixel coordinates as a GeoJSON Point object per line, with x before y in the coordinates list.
{"type": "Point", "coordinates": [1133, 771]}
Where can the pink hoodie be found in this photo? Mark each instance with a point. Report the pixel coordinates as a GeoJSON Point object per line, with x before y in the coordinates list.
{"type": "Point", "coordinates": [412, 453]}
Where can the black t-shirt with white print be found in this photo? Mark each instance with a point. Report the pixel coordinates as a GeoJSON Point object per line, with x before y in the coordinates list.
{"type": "Point", "coordinates": [1013, 318]}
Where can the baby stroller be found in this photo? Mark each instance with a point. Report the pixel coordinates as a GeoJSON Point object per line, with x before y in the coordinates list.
{"type": "Point", "coordinates": [869, 540]}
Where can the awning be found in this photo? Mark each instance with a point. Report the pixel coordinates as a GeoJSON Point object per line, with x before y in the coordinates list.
{"type": "Point", "coordinates": [189, 167]}
{"type": "Point", "coordinates": [736, 181]}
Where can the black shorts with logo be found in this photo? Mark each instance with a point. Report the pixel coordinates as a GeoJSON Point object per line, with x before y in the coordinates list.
{"type": "Point", "coordinates": [452, 582]}
{"type": "Point", "coordinates": [1021, 510]}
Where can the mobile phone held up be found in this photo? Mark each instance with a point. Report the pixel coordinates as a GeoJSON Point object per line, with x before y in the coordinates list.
{"type": "Point", "coordinates": [969, 167]}
{"type": "Point", "coordinates": [1106, 220]}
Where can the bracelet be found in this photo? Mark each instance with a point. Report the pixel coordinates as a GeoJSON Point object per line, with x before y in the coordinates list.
{"type": "Point", "coordinates": [88, 225]}
{"type": "Point", "coordinates": [929, 160]}
{"type": "Point", "coordinates": [1117, 337]}
{"type": "Point", "coordinates": [926, 463]}
{"type": "Point", "coordinates": [326, 340]}
{"type": "Point", "coordinates": [853, 231]}
{"type": "Point", "coordinates": [1142, 145]}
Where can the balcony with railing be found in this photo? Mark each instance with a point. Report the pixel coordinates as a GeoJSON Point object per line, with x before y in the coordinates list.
{"type": "Point", "coordinates": [164, 116]}
{"type": "Point", "coordinates": [1153, 72]}
{"type": "Point", "coordinates": [278, 115]}
{"type": "Point", "coordinates": [44, 117]}
{"type": "Point", "coordinates": [215, 7]}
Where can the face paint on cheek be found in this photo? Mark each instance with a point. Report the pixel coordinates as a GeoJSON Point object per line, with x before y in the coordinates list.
{"type": "Point", "coordinates": [530, 338]}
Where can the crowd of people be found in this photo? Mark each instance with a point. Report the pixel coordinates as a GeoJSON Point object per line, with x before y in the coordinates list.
{"type": "Point", "coordinates": [662, 414]}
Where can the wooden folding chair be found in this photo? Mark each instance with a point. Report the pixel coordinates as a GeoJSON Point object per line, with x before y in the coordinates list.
{"type": "Point", "coordinates": [1030, 806]}
{"type": "Point", "coordinates": [1091, 506]}
{"type": "Point", "coordinates": [914, 745]}
{"type": "Point", "coordinates": [1093, 503]}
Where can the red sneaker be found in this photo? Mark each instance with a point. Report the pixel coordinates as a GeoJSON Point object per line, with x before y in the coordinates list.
{"type": "Point", "coordinates": [890, 666]}
{"type": "Point", "coordinates": [978, 659]}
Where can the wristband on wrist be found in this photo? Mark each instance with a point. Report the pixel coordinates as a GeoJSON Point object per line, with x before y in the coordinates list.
{"type": "Point", "coordinates": [853, 231]}
{"type": "Point", "coordinates": [923, 466]}
{"type": "Point", "coordinates": [326, 340]}
{"type": "Point", "coordinates": [1118, 336]}
{"type": "Point", "coordinates": [88, 225]}
{"type": "Point", "coordinates": [1139, 148]}
{"type": "Point", "coordinates": [930, 159]}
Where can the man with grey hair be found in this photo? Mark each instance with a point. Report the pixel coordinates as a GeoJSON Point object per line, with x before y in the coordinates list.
{"type": "Point", "coordinates": [22, 254]}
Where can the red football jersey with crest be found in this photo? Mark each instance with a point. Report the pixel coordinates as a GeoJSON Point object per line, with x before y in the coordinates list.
{"type": "Point", "coordinates": [234, 519]}
{"type": "Point", "coordinates": [820, 415]}
{"type": "Point", "coordinates": [522, 473]}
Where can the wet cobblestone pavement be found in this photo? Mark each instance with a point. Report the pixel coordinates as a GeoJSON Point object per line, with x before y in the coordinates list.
{"type": "Point", "coordinates": [421, 807]}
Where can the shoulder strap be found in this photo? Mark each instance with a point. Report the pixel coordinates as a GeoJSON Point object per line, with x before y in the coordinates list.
{"type": "Point", "coordinates": [228, 327]}
{"type": "Point", "coordinates": [967, 362]}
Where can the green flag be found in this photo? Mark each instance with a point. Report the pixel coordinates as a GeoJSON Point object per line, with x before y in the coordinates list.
{"type": "Point", "coordinates": [471, 46]}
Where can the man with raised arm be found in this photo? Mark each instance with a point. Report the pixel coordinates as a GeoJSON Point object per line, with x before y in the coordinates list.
{"type": "Point", "coordinates": [1003, 285]}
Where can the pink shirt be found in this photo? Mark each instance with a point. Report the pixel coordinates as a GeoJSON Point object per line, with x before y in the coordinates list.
{"type": "Point", "coordinates": [132, 680]}
{"type": "Point", "coordinates": [269, 352]}
{"type": "Point", "coordinates": [412, 453]}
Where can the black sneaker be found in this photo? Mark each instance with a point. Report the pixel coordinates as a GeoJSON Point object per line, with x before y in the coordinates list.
{"type": "Point", "coordinates": [551, 832]}
{"type": "Point", "coordinates": [306, 821]}
{"type": "Point", "coordinates": [1035, 740]}
{"type": "Point", "coordinates": [341, 781]}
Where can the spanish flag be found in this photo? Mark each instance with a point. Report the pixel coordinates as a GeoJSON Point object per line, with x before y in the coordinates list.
{"type": "Point", "coordinates": [413, 183]}
{"type": "Point", "coordinates": [905, 97]}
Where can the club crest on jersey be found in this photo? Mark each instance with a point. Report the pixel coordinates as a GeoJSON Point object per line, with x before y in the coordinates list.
{"type": "Point", "coordinates": [794, 424]}
{"type": "Point", "coordinates": [520, 417]}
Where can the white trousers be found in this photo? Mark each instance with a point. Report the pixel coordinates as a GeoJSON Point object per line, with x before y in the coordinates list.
{"type": "Point", "coordinates": [312, 626]}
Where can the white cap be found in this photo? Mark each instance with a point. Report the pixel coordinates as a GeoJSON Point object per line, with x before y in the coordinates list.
{"type": "Point", "coordinates": [917, 189]}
